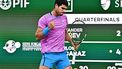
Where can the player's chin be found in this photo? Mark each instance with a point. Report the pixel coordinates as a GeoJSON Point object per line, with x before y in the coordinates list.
{"type": "Point", "coordinates": [61, 14]}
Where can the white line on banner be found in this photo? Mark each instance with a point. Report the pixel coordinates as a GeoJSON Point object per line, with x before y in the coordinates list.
{"type": "Point", "coordinates": [99, 42]}
{"type": "Point", "coordinates": [97, 61]}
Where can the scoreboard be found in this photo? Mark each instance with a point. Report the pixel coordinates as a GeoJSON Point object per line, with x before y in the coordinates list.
{"type": "Point", "coordinates": [101, 49]}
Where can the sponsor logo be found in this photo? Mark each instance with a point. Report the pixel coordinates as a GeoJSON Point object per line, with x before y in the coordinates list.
{"type": "Point", "coordinates": [105, 4]}
{"type": "Point", "coordinates": [7, 4]}
{"type": "Point", "coordinates": [70, 6]}
{"type": "Point", "coordinates": [11, 46]}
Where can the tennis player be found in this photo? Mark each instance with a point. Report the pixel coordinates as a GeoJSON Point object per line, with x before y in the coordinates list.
{"type": "Point", "coordinates": [52, 33]}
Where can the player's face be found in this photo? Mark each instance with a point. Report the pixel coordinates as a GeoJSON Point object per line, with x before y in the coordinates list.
{"type": "Point", "coordinates": [60, 9]}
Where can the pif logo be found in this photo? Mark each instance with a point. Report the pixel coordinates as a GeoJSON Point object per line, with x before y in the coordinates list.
{"type": "Point", "coordinates": [105, 4]}
{"type": "Point", "coordinates": [7, 4]}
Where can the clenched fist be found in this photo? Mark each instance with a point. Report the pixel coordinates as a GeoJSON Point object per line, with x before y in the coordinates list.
{"type": "Point", "coordinates": [51, 24]}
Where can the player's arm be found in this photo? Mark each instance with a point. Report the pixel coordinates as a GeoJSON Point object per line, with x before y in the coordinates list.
{"type": "Point", "coordinates": [68, 38]}
{"type": "Point", "coordinates": [41, 33]}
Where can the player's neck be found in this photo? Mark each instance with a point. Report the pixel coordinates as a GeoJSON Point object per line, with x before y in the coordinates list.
{"type": "Point", "coordinates": [54, 13]}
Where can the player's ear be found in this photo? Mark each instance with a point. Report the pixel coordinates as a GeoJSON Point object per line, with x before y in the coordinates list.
{"type": "Point", "coordinates": [56, 5]}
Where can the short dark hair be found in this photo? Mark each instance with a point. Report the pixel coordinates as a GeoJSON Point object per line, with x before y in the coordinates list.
{"type": "Point", "coordinates": [60, 2]}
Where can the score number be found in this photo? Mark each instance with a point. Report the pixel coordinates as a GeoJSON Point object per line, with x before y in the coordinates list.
{"type": "Point", "coordinates": [118, 33]}
{"type": "Point", "coordinates": [83, 67]}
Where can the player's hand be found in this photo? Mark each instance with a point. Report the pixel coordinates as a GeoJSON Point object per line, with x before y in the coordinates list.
{"type": "Point", "coordinates": [51, 24]}
{"type": "Point", "coordinates": [76, 46]}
